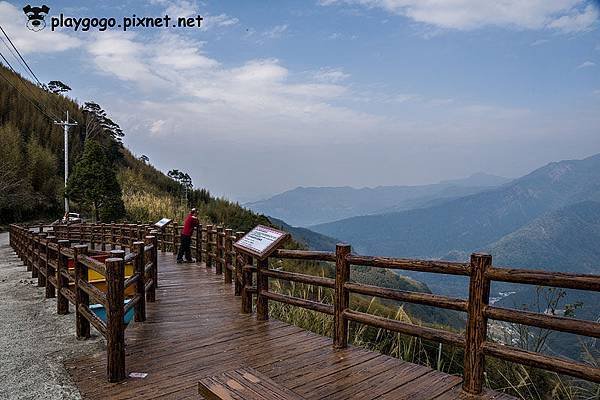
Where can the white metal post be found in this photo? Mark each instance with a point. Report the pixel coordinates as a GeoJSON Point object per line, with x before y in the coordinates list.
{"type": "Point", "coordinates": [66, 125]}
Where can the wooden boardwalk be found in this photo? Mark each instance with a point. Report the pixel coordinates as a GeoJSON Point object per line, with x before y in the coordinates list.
{"type": "Point", "coordinates": [195, 329]}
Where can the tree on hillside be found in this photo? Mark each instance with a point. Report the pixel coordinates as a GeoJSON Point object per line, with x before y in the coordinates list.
{"type": "Point", "coordinates": [57, 87]}
{"type": "Point", "coordinates": [105, 131]}
{"type": "Point", "coordinates": [94, 183]}
{"type": "Point", "coordinates": [184, 180]}
{"type": "Point", "coordinates": [97, 123]}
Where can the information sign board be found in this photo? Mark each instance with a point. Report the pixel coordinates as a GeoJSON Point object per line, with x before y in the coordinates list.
{"type": "Point", "coordinates": [163, 222]}
{"type": "Point", "coordinates": [261, 241]}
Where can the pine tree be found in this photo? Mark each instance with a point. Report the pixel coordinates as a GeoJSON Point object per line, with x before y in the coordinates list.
{"type": "Point", "coordinates": [94, 184]}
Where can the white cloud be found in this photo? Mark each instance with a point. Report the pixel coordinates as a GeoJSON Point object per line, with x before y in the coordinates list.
{"type": "Point", "coordinates": [14, 21]}
{"type": "Point", "coordinates": [564, 15]}
{"type": "Point", "coordinates": [275, 32]}
{"type": "Point", "coordinates": [539, 42]}
{"type": "Point", "coordinates": [118, 53]}
{"type": "Point", "coordinates": [190, 8]}
{"type": "Point", "coordinates": [179, 8]}
{"type": "Point", "coordinates": [260, 95]}
{"type": "Point", "coordinates": [576, 21]}
{"type": "Point", "coordinates": [156, 127]}
{"type": "Point", "coordinates": [331, 75]}
{"type": "Point", "coordinates": [586, 64]}
{"type": "Point", "coordinates": [215, 21]}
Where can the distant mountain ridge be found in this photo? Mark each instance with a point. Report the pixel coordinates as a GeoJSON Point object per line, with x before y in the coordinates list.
{"type": "Point", "coordinates": [565, 238]}
{"type": "Point", "coordinates": [305, 206]}
{"type": "Point", "coordinates": [472, 222]}
{"type": "Point", "coordinates": [310, 239]}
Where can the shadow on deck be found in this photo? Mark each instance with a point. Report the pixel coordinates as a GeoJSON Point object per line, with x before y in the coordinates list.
{"type": "Point", "coordinates": [195, 329]}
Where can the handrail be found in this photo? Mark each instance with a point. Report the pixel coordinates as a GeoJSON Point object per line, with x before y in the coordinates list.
{"type": "Point", "coordinates": [92, 264]}
{"type": "Point", "coordinates": [408, 296]}
{"type": "Point", "coordinates": [213, 246]}
{"type": "Point", "coordinates": [556, 323]}
{"type": "Point", "coordinates": [438, 267]}
{"type": "Point", "coordinates": [49, 257]}
{"type": "Point", "coordinates": [545, 278]}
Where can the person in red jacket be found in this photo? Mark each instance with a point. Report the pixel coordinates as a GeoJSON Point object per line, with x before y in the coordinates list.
{"type": "Point", "coordinates": [191, 221]}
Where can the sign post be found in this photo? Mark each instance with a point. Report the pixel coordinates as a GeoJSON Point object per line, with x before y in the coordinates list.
{"type": "Point", "coordinates": [162, 223]}
{"type": "Point", "coordinates": [259, 243]}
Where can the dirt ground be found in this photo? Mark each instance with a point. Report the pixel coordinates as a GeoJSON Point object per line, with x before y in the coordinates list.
{"type": "Point", "coordinates": [34, 339]}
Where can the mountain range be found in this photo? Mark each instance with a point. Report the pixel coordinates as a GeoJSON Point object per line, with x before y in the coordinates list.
{"type": "Point", "coordinates": [304, 206]}
{"type": "Point", "coordinates": [473, 222]}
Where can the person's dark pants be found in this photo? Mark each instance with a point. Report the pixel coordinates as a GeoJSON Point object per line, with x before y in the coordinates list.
{"type": "Point", "coordinates": [184, 248]}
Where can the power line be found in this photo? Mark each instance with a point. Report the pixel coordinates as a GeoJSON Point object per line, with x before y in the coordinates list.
{"type": "Point", "coordinates": [13, 54]}
{"type": "Point", "coordinates": [7, 63]}
{"type": "Point", "coordinates": [24, 64]}
{"type": "Point", "coordinates": [33, 102]}
{"type": "Point", "coordinates": [20, 56]}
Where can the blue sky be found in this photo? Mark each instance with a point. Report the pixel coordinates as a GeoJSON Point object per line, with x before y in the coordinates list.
{"type": "Point", "coordinates": [269, 95]}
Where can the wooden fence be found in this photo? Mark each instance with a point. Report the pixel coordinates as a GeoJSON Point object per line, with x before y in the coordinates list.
{"type": "Point", "coordinates": [48, 251]}
{"type": "Point", "coordinates": [251, 277]}
{"type": "Point", "coordinates": [213, 245]}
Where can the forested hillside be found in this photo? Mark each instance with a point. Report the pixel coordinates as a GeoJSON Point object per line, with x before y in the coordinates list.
{"type": "Point", "coordinates": [32, 159]}
{"type": "Point", "coordinates": [473, 222]}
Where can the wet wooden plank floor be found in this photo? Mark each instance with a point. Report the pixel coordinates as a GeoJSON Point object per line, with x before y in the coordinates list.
{"type": "Point", "coordinates": [195, 329]}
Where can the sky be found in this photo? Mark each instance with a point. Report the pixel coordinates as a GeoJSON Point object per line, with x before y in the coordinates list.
{"type": "Point", "coordinates": [269, 95]}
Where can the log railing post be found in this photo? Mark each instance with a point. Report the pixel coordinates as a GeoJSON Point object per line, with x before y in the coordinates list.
{"type": "Point", "coordinates": [476, 333]}
{"type": "Point", "coordinates": [35, 255]}
{"type": "Point", "coordinates": [209, 246]}
{"type": "Point", "coordinates": [175, 238]}
{"type": "Point", "coordinates": [154, 264]}
{"type": "Point", "coordinates": [82, 325]}
{"type": "Point", "coordinates": [50, 271]}
{"type": "Point", "coordinates": [28, 254]}
{"type": "Point", "coordinates": [62, 282]}
{"type": "Point", "coordinates": [228, 248]}
{"type": "Point", "coordinates": [262, 285]}
{"type": "Point", "coordinates": [151, 293]}
{"type": "Point", "coordinates": [112, 236]}
{"type": "Point", "coordinates": [93, 237]}
{"type": "Point", "coordinates": [199, 244]}
{"type": "Point", "coordinates": [238, 268]}
{"type": "Point", "coordinates": [42, 252]}
{"type": "Point", "coordinates": [341, 298]}
{"type": "Point", "coordinates": [132, 236]}
{"type": "Point", "coordinates": [115, 329]}
{"type": "Point", "coordinates": [219, 250]}
{"type": "Point", "coordinates": [140, 286]}
{"type": "Point", "coordinates": [103, 237]}
{"type": "Point", "coordinates": [246, 286]}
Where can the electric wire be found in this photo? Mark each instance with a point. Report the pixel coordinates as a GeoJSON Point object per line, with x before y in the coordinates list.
{"type": "Point", "coordinates": [12, 52]}
{"type": "Point", "coordinates": [32, 101]}
{"type": "Point", "coordinates": [7, 63]}
{"type": "Point", "coordinates": [24, 64]}
{"type": "Point", "coordinates": [20, 56]}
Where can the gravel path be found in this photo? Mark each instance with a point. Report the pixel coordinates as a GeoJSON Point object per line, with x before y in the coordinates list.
{"type": "Point", "coordinates": [34, 340]}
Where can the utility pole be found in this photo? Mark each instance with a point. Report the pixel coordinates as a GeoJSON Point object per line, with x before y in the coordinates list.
{"type": "Point", "coordinates": [66, 125]}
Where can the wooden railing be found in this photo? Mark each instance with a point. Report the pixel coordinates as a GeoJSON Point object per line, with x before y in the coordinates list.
{"type": "Point", "coordinates": [48, 254]}
{"type": "Point", "coordinates": [251, 277]}
{"type": "Point", "coordinates": [213, 245]}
